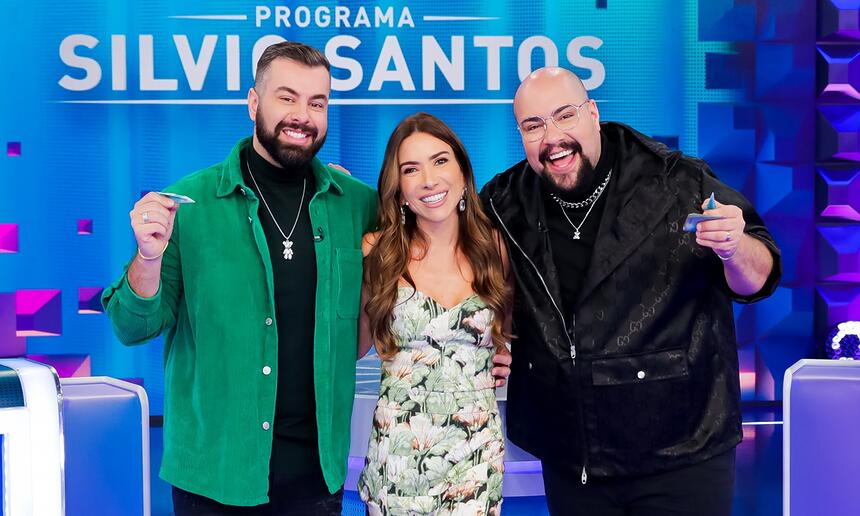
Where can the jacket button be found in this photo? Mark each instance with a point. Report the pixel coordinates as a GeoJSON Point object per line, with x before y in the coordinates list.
{"type": "Point", "coordinates": [250, 220]}
{"type": "Point", "coordinates": [530, 365]}
{"type": "Point", "coordinates": [267, 370]}
{"type": "Point", "coordinates": [640, 375]}
{"type": "Point", "coordinates": [268, 321]}
{"type": "Point", "coordinates": [266, 425]}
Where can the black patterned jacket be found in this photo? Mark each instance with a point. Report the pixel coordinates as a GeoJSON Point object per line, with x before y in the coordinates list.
{"type": "Point", "coordinates": [642, 376]}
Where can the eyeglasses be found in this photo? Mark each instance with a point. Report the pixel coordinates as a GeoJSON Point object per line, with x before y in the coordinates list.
{"type": "Point", "coordinates": [565, 118]}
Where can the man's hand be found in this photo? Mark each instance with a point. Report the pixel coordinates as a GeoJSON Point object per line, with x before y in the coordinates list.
{"type": "Point", "coordinates": [152, 222]}
{"type": "Point", "coordinates": [722, 236]}
{"type": "Point", "coordinates": [502, 369]}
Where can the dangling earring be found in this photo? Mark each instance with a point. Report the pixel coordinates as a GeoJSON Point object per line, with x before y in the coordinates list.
{"type": "Point", "coordinates": [402, 214]}
{"type": "Point", "coordinates": [462, 205]}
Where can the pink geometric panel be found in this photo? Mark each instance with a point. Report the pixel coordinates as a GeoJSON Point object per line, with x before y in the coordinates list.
{"type": "Point", "coordinates": [90, 300]}
{"type": "Point", "coordinates": [13, 148]}
{"type": "Point", "coordinates": [8, 238]}
{"type": "Point", "coordinates": [85, 226]}
{"type": "Point", "coordinates": [11, 345]}
{"type": "Point", "coordinates": [39, 313]}
{"type": "Point", "coordinates": [67, 366]}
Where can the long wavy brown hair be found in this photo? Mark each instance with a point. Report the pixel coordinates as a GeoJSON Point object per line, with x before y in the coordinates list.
{"type": "Point", "coordinates": [396, 242]}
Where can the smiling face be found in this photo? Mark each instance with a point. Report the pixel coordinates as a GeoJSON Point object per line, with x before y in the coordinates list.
{"type": "Point", "coordinates": [290, 111]}
{"type": "Point", "coordinates": [431, 179]}
{"type": "Point", "coordinates": [562, 156]}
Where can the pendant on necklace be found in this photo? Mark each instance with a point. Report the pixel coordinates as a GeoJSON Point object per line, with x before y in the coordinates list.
{"type": "Point", "coordinates": [576, 235]}
{"type": "Point", "coordinates": [288, 249]}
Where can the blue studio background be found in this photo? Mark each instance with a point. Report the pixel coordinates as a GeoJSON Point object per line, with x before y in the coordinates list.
{"type": "Point", "coordinates": [102, 101]}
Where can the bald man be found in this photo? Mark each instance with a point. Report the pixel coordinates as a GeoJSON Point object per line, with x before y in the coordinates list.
{"type": "Point", "coordinates": [625, 371]}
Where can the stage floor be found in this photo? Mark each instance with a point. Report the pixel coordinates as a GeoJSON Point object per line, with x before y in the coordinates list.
{"type": "Point", "coordinates": [758, 485]}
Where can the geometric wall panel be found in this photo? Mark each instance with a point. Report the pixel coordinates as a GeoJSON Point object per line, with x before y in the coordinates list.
{"type": "Point", "coordinates": [837, 303]}
{"type": "Point", "coordinates": [13, 148]}
{"type": "Point", "coordinates": [39, 313]}
{"type": "Point", "coordinates": [726, 21]}
{"type": "Point", "coordinates": [11, 345]}
{"type": "Point", "coordinates": [838, 133]}
{"type": "Point", "coordinates": [729, 136]}
{"type": "Point", "coordinates": [838, 20]}
{"type": "Point", "coordinates": [838, 192]}
{"type": "Point", "coordinates": [839, 253]}
{"type": "Point", "coordinates": [67, 366]}
{"type": "Point", "coordinates": [85, 226]}
{"type": "Point", "coordinates": [8, 238]}
{"type": "Point", "coordinates": [783, 71]}
{"type": "Point", "coordinates": [89, 300]}
{"type": "Point", "coordinates": [838, 79]}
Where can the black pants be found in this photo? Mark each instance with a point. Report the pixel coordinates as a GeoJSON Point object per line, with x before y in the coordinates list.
{"type": "Point", "coordinates": [704, 489]}
{"type": "Point", "coordinates": [282, 502]}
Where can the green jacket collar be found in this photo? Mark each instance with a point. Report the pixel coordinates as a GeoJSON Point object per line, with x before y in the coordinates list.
{"type": "Point", "coordinates": [231, 174]}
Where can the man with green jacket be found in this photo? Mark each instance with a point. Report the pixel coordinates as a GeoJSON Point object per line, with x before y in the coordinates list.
{"type": "Point", "coordinates": [257, 288]}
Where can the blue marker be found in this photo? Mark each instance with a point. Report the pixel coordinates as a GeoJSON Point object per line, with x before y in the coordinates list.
{"type": "Point", "coordinates": [712, 203]}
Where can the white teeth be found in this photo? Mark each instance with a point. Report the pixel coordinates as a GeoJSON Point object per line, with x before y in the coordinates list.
{"type": "Point", "coordinates": [560, 154]}
{"type": "Point", "coordinates": [294, 134]}
{"type": "Point", "coordinates": [430, 199]}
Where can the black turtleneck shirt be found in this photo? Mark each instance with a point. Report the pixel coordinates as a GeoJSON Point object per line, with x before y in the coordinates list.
{"type": "Point", "coordinates": [571, 256]}
{"type": "Point", "coordinates": [295, 453]}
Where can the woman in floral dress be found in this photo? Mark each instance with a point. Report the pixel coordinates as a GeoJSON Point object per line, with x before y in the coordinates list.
{"type": "Point", "coordinates": [434, 305]}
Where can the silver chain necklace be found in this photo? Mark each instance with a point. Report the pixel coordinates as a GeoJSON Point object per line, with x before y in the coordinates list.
{"type": "Point", "coordinates": [591, 198]}
{"type": "Point", "coordinates": [562, 205]}
{"type": "Point", "coordinates": [288, 244]}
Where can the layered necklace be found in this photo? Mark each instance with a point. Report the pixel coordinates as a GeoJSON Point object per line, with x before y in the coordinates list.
{"type": "Point", "coordinates": [591, 201]}
{"type": "Point", "coordinates": [288, 244]}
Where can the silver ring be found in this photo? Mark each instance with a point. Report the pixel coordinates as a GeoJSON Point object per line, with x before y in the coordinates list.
{"type": "Point", "coordinates": [728, 236]}
{"type": "Point", "coordinates": [145, 217]}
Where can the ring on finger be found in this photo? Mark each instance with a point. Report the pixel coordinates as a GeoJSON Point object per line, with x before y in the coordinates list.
{"type": "Point", "coordinates": [728, 236]}
{"type": "Point", "coordinates": [145, 217]}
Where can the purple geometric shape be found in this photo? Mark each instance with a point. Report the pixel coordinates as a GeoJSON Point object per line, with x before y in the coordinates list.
{"type": "Point", "coordinates": [13, 148]}
{"type": "Point", "coordinates": [67, 366]}
{"type": "Point", "coordinates": [10, 344]}
{"type": "Point", "coordinates": [839, 192]}
{"type": "Point", "coordinates": [136, 380]}
{"type": "Point", "coordinates": [838, 21]}
{"type": "Point", "coordinates": [89, 300]}
{"type": "Point", "coordinates": [39, 313]}
{"type": "Point", "coordinates": [837, 133]}
{"type": "Point", "coordinates": [8, 238]}
{"type": "Point", "coordinates": [838, 303]}
{"type": "Point", "coordinates": [839, 74]}
{"type": "Point", "coordinates": [839, 253]}
{"type": "Point", "coordinates": [85, 226]}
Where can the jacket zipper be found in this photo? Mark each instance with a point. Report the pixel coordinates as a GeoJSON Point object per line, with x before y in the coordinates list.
{"type": "Point", "coordinates": [584, 478]}
{"type": "Point", "coordinates": [560, 315]}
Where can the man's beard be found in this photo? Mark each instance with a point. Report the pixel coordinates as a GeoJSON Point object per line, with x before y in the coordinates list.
{"type": "Point", "coordinates": [567, 182]}
{"type": "Point", "coordinates": [286, 154]}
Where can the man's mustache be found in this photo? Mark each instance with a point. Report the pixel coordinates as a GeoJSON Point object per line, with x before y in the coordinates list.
{"type": "Point", "coordinates": [571, 145]}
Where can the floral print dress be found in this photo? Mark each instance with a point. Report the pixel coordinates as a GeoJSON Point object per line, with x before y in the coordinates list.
{"type": "Point", "coordinates": [436, 446]}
